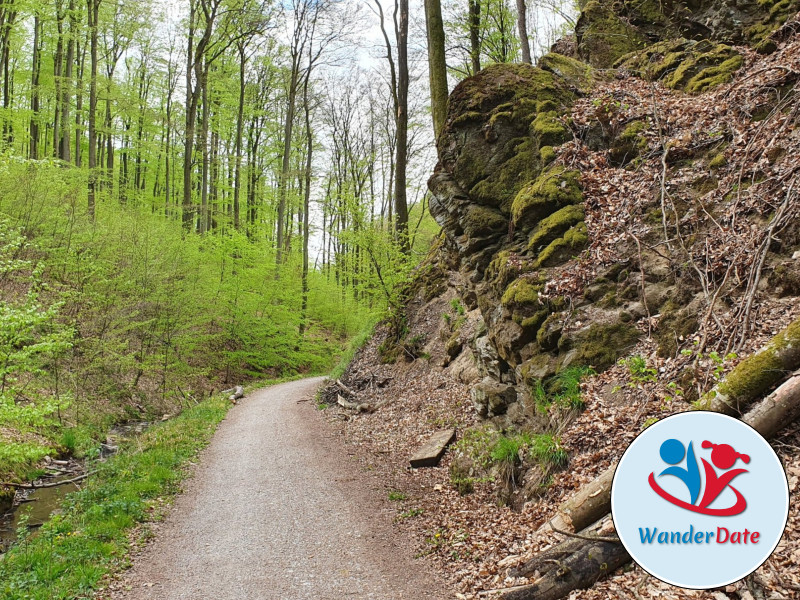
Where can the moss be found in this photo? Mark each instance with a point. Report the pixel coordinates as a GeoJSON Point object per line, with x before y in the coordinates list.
{"type": "Point", "coordinates": [482, 220]}
{"type": "Point", "coordinates": [500, 187]}
{"type": "Point", "coordinates": [602, 345]}
{"type": "Point", "coordinates": [554, 188]}
{"type": "Point", "coordinates": [718, 161]}
{"type": "Point", "coordinates": [757, 374]}
{"type": "Point", "coordinates": [535, 322]}
{"type": "Point", "coordinates": [675, 323]}
{"type": "Point", "coordinates": [630, 143]}
{"type": "Point", "coordinates": [687, 65]}
{"type": "Point", "coordinates": [555, 225]}
{"type": "Point", "coordinates": [521, 292]}
{"type": "Point", "coordinates": [549, 130]}
{"type": "Point", "coordinates": [576, 73]}
{"type": "Point", "coordinates": [549, 333]}
{"type": "Point", "coordinates": [714, 76]}
{"type": "Point", "coordinates": [603, 36]}
{"type": "Point", "coordinates": [547, 154]}
{"type": "Point", "coordinates": [563, 248]}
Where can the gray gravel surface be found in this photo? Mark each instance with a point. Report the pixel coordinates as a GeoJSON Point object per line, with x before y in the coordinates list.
{"type": "Point", "coordinates": [278, 510]}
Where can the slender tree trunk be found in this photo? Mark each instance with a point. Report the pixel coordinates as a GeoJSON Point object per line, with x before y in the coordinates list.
{"type": "Point", "coordinates": [437, 63]}
{"type": "Point", "coordinates": [94, 9]}
{"type": "Point", "coordinates": [66, 86]}
{"type": "Point", "coordinates": [191, 115]}
{"type": "Point", "coordinates": [58, 65]}
{"type": "Point", "coordinates": [283, 182]}
{"type": "Point", "coordinates": [522, 26]}
{"type": "Point", "coordinates": [203, 141]}
{"type": "Point", "coordinates": [474, 35]}
{"type": "Point", "coordinates": [239, 129]}
{"type": "Point", "coordinates": [35, 68]}
{"type": "Point", "coordinates": [5, 59]}
{"type": "Point", "coordinates": [306, 207]}
{"type": "Point", "coordinates": [401, 160]}
{"type": "Point", "coordinates": [79, 108]}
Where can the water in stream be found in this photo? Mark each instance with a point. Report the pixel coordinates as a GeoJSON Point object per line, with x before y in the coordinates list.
{"type": "Point", "coordinates": [40, 504]}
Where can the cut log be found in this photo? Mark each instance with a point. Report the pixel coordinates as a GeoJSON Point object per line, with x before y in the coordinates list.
{"type": "Point", "coordinates": [431, 451]}
{"type": "Point", "coordinates": [344, 388]}
{"type": "Point", "coordinates": [576, 563]}
{"type": "Point", "coordinates": [756, 375]}
{"type": "Point", "coordinates": [352, 405]}
{"type": "Point", "coordinates": [238, 392]}
{"type": "Point", "coordinates": [777, 410]}
{"type": "Point", "coordinates": [587, 506]}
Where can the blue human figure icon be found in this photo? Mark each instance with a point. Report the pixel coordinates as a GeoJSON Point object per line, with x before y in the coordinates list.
{"type": "Point", "coordinates": [672, 453]}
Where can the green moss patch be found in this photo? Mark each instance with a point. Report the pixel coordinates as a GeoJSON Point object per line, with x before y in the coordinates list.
{"type": "Point", "coordinates": [579, 75]}
{"type": "Point", "coordinates": [481, 220]}
{"type": "Point", "coordinates": [603, 36]}
{"type": "Point", "coordinates": [601, 345]}
{"type": "Point", "coordinates": [521, 292]}
{"type": "Point", "coordinates": [556, 225]}
{"type": "Point", "coordinates": [687, 65]}
{"type": "Point", "coordinates": [564, 248]}
{"type": "Point", "coordinates": [554, 188]}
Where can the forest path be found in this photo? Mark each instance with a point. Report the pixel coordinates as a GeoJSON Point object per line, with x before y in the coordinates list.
{"type": "Point", "coordinates": [277, 510]}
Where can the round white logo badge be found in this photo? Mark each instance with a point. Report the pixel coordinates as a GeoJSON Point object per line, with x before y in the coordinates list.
{"type": "Point", "coordinates": [700, 500]}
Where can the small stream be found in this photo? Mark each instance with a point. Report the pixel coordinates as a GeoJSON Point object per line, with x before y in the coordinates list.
{"type": "Point", "coordinates": [40, 504]}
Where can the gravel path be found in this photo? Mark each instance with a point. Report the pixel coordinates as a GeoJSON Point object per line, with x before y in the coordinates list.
{"type": "Point", "coordinates": [277, 510]}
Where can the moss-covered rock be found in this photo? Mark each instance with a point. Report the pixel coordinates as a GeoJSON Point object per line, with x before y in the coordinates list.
{"type": "Point", "coordinates": [630, 144]}
{"type": "Point", "coordinates": [687, 65]}
{"type": "Point", "coordinates": [604, 36]}
{"type": "Point", "coordinates": [482, 220]}
{"type": "Point", "coordinates": [675, 324]}
{"type": "Point", "coordinates": [556, 225]}
{"type": "Point", "coordinates": [521, 292]}
{"type": "Point", "coordinates": [549, 130]}
{"type": "Point", "coordinates": [565, 247]}
{"type": "Point", "coordinates": [576, 73]}
{"type": "Point", "coordinates": [554, 188]}
{"type": "Point", "coordinates": [601, 345]}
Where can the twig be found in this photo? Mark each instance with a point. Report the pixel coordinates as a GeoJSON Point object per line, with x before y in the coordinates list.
{"type": "Point", "coordinates": [35, 486]}
{"type": "Point", "coordinates": [588, 538]}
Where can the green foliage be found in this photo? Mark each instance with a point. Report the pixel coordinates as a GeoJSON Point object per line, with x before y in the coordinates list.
{"type": "Point", "coordinates": [356, 343]}
{"type": "Point", "coordinates": [75, 549]}
{"type": "Point", "coordinates": [563, 390]}
{"type": "Point", "coordinates": [639, 372]}
{"type": "Point", "coordinates": [396, 496]}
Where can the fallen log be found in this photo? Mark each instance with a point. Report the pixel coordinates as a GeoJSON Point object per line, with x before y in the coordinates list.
{"type": "Point", "coordinates": [38, 486]}
{"type": "Point", "coordinates": [352, 405]}
{"type": "Point", "coordinates": [776, 411]}
{"type": "Point", "coordinates": [576, 563]}
{"type": "Point", "coordinates": [579, 560]}
{"type": "Point", "coordinates": [756, 375]}
{"type": "Point", "coordinates": [238, 392]}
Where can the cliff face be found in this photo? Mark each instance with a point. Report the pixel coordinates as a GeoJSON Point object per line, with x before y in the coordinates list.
{"type": "Point", "coordinates": [535, 162]}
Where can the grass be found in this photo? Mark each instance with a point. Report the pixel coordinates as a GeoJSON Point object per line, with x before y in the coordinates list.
{"type": "Point", "coordinates": [69, 556]}
{"type": "Point", "coordinates": [544, 447]}
{"type": "Point", "coordinates": [395, 496]}
{"type": "Point", "coordinates": [564, 389]}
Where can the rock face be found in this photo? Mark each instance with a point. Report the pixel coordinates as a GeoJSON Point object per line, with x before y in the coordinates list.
{"type": "Point", "coordinates": [607, 31]}
{"type": "Point", "coordinates": [513, 213]}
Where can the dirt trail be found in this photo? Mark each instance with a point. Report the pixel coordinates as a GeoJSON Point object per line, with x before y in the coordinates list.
{"type": "Point", "coordinates": [278, 511]}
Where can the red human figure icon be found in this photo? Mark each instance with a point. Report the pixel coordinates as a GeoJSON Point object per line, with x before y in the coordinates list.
{"type": "Point", "coordinates": [724, 457]}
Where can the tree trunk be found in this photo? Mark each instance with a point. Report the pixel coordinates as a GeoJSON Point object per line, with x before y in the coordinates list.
{"type": "Point", "coordinates": [66, 86]}
{"type": "Point", "coordinates": [35, 68]}
{"type": "Point", "coordinates": [401, 160]}
{"type": "Point", "coordinates": [437, 64]}
{"type": "Point", "coordinates": [58, 65]}
{"type": "Point", "coordinates": [306, 206]}
{"type": "Point", "coordinates": [237, 178]}
{"type": "Point", "coordinates": [287, 148]}
{"type": "Point", "coordinates": [522, 26]}
{"type": "Point", "coordinates": [93, 13]}
{"type": "Point", "coordinates": [474, 35]}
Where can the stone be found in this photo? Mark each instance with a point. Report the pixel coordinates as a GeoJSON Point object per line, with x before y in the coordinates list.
{"type": "Point", "coordinates": [431, 452]}
{"type": "Point", "coordinates": [491, 398]}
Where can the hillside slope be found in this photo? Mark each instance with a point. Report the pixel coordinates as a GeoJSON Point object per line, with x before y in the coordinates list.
{"type": "Point", "coordinates": [640, 222]}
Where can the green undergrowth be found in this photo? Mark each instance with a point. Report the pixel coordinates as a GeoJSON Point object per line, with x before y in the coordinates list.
{"type": "Point", "coordinates": [563, 390]}
{"type": "Point", "coordinates": [69, 556]}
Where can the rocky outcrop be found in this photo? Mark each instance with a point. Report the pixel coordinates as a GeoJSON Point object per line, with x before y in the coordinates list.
{"type": "Point", "coordinates": [512, 209]}
{"type": "Point", "coordinates": [607, 31]}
